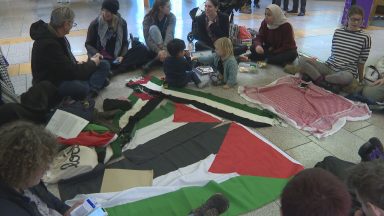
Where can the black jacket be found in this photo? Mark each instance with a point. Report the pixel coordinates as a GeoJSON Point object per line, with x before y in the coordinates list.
{"type": "Point", "coordinates": [51, 58]}
{"type": "Point", "coordinates": [93, 44]}
{"type": "Point", "coordinates": [175, 69]}
{"type": "Point", "coordinates": [218, 29]}
{"type": "Point", "coordinates": [14, 203]}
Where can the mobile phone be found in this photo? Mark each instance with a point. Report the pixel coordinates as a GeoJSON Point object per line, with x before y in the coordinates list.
{"type": "Point", "coordinates": [116, 61]}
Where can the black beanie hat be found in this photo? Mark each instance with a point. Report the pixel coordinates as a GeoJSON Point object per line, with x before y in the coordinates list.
{"type": "Point", "coordinates": [111, 5]}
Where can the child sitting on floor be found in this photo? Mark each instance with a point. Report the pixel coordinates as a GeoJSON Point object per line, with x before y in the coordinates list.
{"type": "Point", "coordinates": [178, 66]}
{"type": "Point", "coordinates": [223, 61]}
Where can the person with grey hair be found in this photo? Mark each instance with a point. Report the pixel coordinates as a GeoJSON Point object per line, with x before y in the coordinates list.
{"type": "Point", "coordinates": [52, 58]}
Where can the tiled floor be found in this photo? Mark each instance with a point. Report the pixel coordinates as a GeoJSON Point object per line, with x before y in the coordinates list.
{"type": "Point", "coordinates": [313, 36]}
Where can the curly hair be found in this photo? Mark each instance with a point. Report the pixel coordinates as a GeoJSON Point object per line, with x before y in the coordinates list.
{"type": "Point", "coordinates": [24, 149]}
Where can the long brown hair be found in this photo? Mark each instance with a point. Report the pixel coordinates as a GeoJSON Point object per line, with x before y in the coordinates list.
{"type": "Point", "coordinates": [156, 7]}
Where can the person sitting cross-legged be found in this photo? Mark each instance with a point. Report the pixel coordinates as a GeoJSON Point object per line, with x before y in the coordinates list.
{"type": "Point", "coordinates": [53, 60]}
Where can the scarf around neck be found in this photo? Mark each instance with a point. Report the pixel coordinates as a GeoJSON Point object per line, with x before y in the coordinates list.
{"type": "Point", "coordinates": [104, 36]}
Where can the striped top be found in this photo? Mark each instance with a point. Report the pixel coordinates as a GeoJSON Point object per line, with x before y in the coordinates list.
{"type": "Point", "coordinates": [348, 49]}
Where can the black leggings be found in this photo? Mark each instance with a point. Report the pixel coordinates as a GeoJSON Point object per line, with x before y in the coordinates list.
{"type": "Point", "coordinates": [281, 59]}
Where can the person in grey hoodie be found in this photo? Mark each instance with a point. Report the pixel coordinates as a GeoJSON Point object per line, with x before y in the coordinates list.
{"type": "Point", "coordinates": [159, 28]}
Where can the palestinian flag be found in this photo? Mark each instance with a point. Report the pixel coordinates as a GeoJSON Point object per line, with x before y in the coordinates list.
{"type": "Point", "coordinates": [194, 154]}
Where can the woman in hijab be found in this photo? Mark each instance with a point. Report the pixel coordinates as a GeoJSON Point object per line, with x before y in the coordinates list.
{"type": "Point", "coordinates": [275, 41]}
{"type": "Point", "coordinates": [107, 36]}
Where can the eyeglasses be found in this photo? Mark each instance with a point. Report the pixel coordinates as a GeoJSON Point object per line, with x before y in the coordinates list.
{"type": "Point", "coordinates": [355, 19]}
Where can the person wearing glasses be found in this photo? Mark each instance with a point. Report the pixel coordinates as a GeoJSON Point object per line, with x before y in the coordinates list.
{"type": "Point", "coordinates": [52, 58]}
{"type": "Point", "coordinates": [350, 50]}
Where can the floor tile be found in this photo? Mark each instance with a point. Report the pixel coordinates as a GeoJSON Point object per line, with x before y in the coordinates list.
{"type": "Point", "coordinates": [342, 144]}
{"type": "Point", "coordinates": [377, 119]}
{"type": "Point", "coordinates": [284, 137]}
{"type": "Point", "coordinates": [308, 154]}
{"type": "Point", "coordinates": [14, 69]}
{"type": "Point", "coordinates": [356, 125]}
{"type": "Point", "coordinates": [25, 68]}
{"type": "Point", "coordinates": [370, 131]}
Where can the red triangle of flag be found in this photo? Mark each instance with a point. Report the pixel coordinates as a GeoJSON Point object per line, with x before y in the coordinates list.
{"type": "Point", "coordinates": [246, 154]}
{"type": "Point", "coordinates": [184, 113]}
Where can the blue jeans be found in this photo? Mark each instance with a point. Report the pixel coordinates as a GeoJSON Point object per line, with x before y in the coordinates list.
{"type": "Point", "coordinates": [192, 76]}
{"type": "Point", "coordinates": [80, 89]}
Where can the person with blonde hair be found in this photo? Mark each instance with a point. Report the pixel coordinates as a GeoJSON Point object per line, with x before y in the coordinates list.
{"type": "Point", "coordinates": [275, 42]}
{"type": "Point", "coordinates": [223, 61]}
{"type": "Point", "coordinates": [26, 152]}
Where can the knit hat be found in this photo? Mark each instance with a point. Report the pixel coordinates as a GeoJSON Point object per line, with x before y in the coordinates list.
{"type": "Point", "coordinates": [111, 5]}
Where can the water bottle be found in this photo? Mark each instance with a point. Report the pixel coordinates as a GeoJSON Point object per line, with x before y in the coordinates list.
{"type": "Point", "coordinates": [191, 47]}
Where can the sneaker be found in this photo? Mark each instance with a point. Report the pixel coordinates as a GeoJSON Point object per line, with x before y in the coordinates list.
{"type": "Point", "coordinates": [215, 205]}
{"type": "Point", "coordinates": [301, 14]}
{"type": "Point", "coordinates": [371, 150]}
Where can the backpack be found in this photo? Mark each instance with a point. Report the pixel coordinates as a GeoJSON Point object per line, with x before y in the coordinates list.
{"type": "Point", "coordinates": [138, 54]}
{"type": "Point", "coordinates": [82, 108]}
{"type": "Point", "coordinates": [373, 73]}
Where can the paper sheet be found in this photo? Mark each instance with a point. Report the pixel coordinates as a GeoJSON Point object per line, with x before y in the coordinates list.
{"type": "Point", "coordinates": [66, 125]}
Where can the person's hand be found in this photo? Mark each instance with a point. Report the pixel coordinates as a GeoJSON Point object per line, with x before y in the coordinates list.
{"type": "Point", "coordinates": [96, 59]}
{"type": "Point", "coordinates": [99, 55]}
{"type": "Point", "coordinates": [243, 58]}
{"type": "Point", "coordinates": [68, 212]}
{"type": "Point", "coordinates": [379, 82]}
{"type": "Point", "coordinates": [259, 49]}
{"type": "Point", "coordinates": [312, 59]}
{"type": "Point", "coordinates": [120, 59]}
{"type": "Point", "coordinates": [194, 58]}
{"type": "Point", "coordinates": [186, 53]}
{"type": "Point", "coordinates": [358, 213]}
{"type": "Point", "coordinates": [162, 55]}
{"type": "Point", "coordinates": [210, 23]}
{"type": "Point", "coordinates": [226, 86]}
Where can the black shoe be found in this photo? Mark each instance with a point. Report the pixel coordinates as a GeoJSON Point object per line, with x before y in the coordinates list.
{"type": "Point", "coordinates": [292, 11]}
{"type": "Point", "coordinates": [93, 93]}
{"type": "Point", "coordinates": [371, 150]}
{"type": "Point", "coordinates": [215, 205]}
{"type": "Point", "coordinates": [301, 14]}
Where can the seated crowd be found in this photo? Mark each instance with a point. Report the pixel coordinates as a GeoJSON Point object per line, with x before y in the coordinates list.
{"type": "Point", "coordinates": [321, 191]}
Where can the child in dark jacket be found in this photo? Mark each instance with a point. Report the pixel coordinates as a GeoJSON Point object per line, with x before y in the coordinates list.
{"type": "Point", "coordinates": [178, 66]}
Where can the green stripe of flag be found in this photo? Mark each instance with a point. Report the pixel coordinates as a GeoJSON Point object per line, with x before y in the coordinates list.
{"type": "Point", "coordinates": [244, 192]}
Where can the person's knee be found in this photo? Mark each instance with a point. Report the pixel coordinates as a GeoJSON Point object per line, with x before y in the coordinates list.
{"type": "Point", "coordinates": [154, 30]}
{"type": "Point", "coordinates": [105, 65]}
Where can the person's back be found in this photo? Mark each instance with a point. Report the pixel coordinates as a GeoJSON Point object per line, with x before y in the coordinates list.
{"type": "Point", "coordinates": [175, 69]}
{"type": "Point", "coordinates": [315, 192]}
